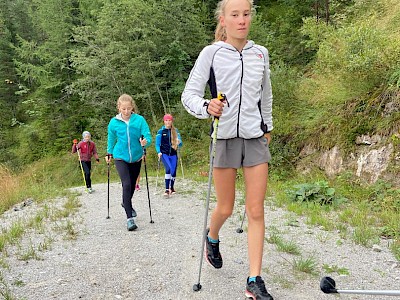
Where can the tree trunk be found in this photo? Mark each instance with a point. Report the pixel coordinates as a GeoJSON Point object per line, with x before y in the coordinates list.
{"type": "Point", "coordinates": [327, 11]}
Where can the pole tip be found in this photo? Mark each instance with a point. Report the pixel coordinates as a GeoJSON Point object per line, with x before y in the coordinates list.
{"type": "Point", "coordinates": [328, 285]}
{"type": "Point", "coordinates": [197, 287]}
{"type": "Point", "coordinates": [152, 221]}
{"type": "Point", "coordinates": [239, 230]}
{"type": "Point", "coordinates": [108, 217]}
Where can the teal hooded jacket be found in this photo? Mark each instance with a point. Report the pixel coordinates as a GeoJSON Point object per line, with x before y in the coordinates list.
{"type": "Point", "coordinates": [123, 140]}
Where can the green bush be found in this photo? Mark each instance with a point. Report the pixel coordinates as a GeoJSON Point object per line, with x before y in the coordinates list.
{"type": "Point", "coordinates": [318, 192]}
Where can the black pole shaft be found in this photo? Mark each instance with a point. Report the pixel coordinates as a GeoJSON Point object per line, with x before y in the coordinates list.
{"type": "Point", "coordinates": [147, 181]}
{"type": "Point", "coordinates": [240, 229]}
{"type": "Point", "coordinates": [108, 190]}
{"type": "Point", "coordinates": [147, 185]}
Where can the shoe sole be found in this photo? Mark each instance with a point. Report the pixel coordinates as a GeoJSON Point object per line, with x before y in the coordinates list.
{"type": "Point", "coordinates": [206, 257]}
{"type": "Point", "coordinates": [133, 228]}
{"type": "Point", "coordinates": [249, 295]}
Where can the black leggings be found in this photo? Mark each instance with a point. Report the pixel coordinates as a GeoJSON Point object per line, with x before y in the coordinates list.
{"type": "Point", "coordinates": [128, 172]}
{"type": "Point", "coordinates": [87, 166]}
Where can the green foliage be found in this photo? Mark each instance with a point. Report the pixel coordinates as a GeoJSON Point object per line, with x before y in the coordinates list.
{"type": "Point", "coordinates": [282, 20]}
{"type": "Point", "coordinates": [284, 246]}
{"type": "Point", "coordinates": [353, 80]}
{"type": "Point", "coordinates": [8, 86]}
{"type": "Point", "coordinates": [287, 137]}
{"type": "Point", "coordinates": [147, 57]}
{"type": "Point", "coordinates": [306, 265]}
{"type": "Point", "coordinates": [384, 196]}
{"type": "Point", "coordinates": [395, 247]}
{"type": "Point", "coordinates": [318, 192]}
{"type": "Point", "coordinates": [335, 269]}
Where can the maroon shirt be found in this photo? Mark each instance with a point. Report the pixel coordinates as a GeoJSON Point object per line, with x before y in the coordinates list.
{"type": "Point", "coordinates": [86, 150]}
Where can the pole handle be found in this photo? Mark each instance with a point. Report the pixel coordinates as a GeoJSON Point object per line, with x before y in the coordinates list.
{"type": "Point", "coordinates": [144, 149]}
{"type": "Point", "coordinates": [221, 97]}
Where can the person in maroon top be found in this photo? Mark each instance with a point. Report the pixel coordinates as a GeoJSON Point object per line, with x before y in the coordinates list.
{"type": "Point", "coordinates": [87, 149]}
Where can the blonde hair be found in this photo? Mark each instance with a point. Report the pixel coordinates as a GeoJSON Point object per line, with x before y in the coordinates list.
{"type": "Point", "coordinates": [174, 137]}
{"type": "Point", "coordinates": [127, 98]}
{"type": "Point", "coordinates": [220, 33]}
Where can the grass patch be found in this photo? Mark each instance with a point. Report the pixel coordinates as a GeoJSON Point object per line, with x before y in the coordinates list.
{"type": "Point", "coordinates": [5, 291]}
{"type": "Point", "coordinates": [368, 212]}
{"type": "Point", "coordinates": [29, 253]}
{"type": "Point", "coordinates": [283, 245]}
{"type": "Point", "coordinates": [305, 265]}
{"type": "Point", "coordinates": [335, 269]}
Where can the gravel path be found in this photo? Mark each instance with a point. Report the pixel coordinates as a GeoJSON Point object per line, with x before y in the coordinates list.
{"type": "Point", "coordinates": [161, 260]}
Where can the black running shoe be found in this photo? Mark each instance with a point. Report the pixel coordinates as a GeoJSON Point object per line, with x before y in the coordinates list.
{"type": "Point", "coordinates": [212, 254]}
{"type": "Point", "coordinates": [256, 290]}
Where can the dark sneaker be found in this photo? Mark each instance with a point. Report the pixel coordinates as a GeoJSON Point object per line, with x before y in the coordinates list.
{"type": "Point", "coordinates": [166, 193]}
{"type": "Point", "coordinates": [134, 214]}
{"type": "Point", "coordinates": [256, 290]}
{"type": "Point", "coordinates": [173, 191]}
{"type": "Point", "coordinates": [131, 224]}
{"type": "Point", "coordinates": [212, 254]}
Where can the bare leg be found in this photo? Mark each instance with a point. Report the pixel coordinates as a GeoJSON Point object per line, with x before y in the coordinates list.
{"type": "Point", "coordinates": [256, 185]}
{"type": "Point", "coordinates": [224, 181]}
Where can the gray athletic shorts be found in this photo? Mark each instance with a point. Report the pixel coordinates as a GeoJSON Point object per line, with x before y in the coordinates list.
{"type": "Point", "coordinates": [238, 152]}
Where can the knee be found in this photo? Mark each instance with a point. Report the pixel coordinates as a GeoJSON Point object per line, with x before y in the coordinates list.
{"type": "Point", "coordinates": [126, 184]}
{"type": "Point", "coordinates": [255, 213]}
{"type": "Point", "coordinates": [224, 212]}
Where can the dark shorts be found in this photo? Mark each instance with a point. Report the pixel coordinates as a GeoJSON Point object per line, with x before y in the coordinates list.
{"type": "Point", "coordinates": [238, 152]}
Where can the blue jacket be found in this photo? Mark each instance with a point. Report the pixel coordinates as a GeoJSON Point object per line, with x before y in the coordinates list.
{"type": "Point", "coordinates": [163, 141]}
{"type": "Point", "coordinates": [123, 137]}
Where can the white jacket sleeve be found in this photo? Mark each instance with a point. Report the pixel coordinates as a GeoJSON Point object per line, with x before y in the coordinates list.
{"type": "Point", "coordinates": [266, 100]}
{"type": "Point", "coordinates": [193, 94]}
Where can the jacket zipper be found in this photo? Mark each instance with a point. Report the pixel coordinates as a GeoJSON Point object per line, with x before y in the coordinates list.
{"type": "Point", "coordinates": [240, 96]}
{"type": "Point", "coordinates": [129, 141]}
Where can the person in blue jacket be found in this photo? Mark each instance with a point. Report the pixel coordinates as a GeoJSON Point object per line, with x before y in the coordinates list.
{"type": "Point", "coordinates": [128, 133]}
{"type": "Point", "coordinates": [168, 140]}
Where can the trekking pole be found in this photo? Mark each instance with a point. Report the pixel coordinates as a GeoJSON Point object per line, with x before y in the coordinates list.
{"type": "Point", "coordinates": [328, 286]}
{"type": "Point", "coordinates": [158, 169]}
{"type": "Point", "coordinates": [108, 187]}
{"type": "Point", "coordinates": [180, 158]}
{"type": "Point", "coordinates": [240, 229]}
{"type": "Point", "coordinates": [197, 286]}
{"type": "Point", "coordinates": [147, 181]}
{"type": "Point", "coordinates": [80, 163]}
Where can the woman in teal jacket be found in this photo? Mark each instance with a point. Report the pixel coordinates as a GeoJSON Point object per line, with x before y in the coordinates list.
{"type": "Point", "coordinates": [128, 133]}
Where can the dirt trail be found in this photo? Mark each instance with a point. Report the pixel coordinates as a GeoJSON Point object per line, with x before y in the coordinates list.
{"type": "Point", "coordinates": [161, 260]}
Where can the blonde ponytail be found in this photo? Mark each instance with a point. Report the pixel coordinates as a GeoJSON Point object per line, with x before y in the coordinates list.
{"type": "Point", "coordinates": [220, 33]}
{"type": "Point", "coordinates": [174, 138]}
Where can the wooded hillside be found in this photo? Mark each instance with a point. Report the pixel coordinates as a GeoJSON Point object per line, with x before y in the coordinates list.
{"type": "Point", "coordinates": [335, 70]}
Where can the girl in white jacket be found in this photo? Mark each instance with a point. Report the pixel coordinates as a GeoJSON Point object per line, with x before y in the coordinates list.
{"type": "Point", "coordinates": [238, 68]}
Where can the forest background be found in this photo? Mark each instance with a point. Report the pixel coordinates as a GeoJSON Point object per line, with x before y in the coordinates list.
{"type": "Point", "coordinates": [335, 71]}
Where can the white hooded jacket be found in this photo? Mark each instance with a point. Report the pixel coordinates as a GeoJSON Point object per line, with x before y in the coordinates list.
{"type": "Point", "coordinates": [244, 77]}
